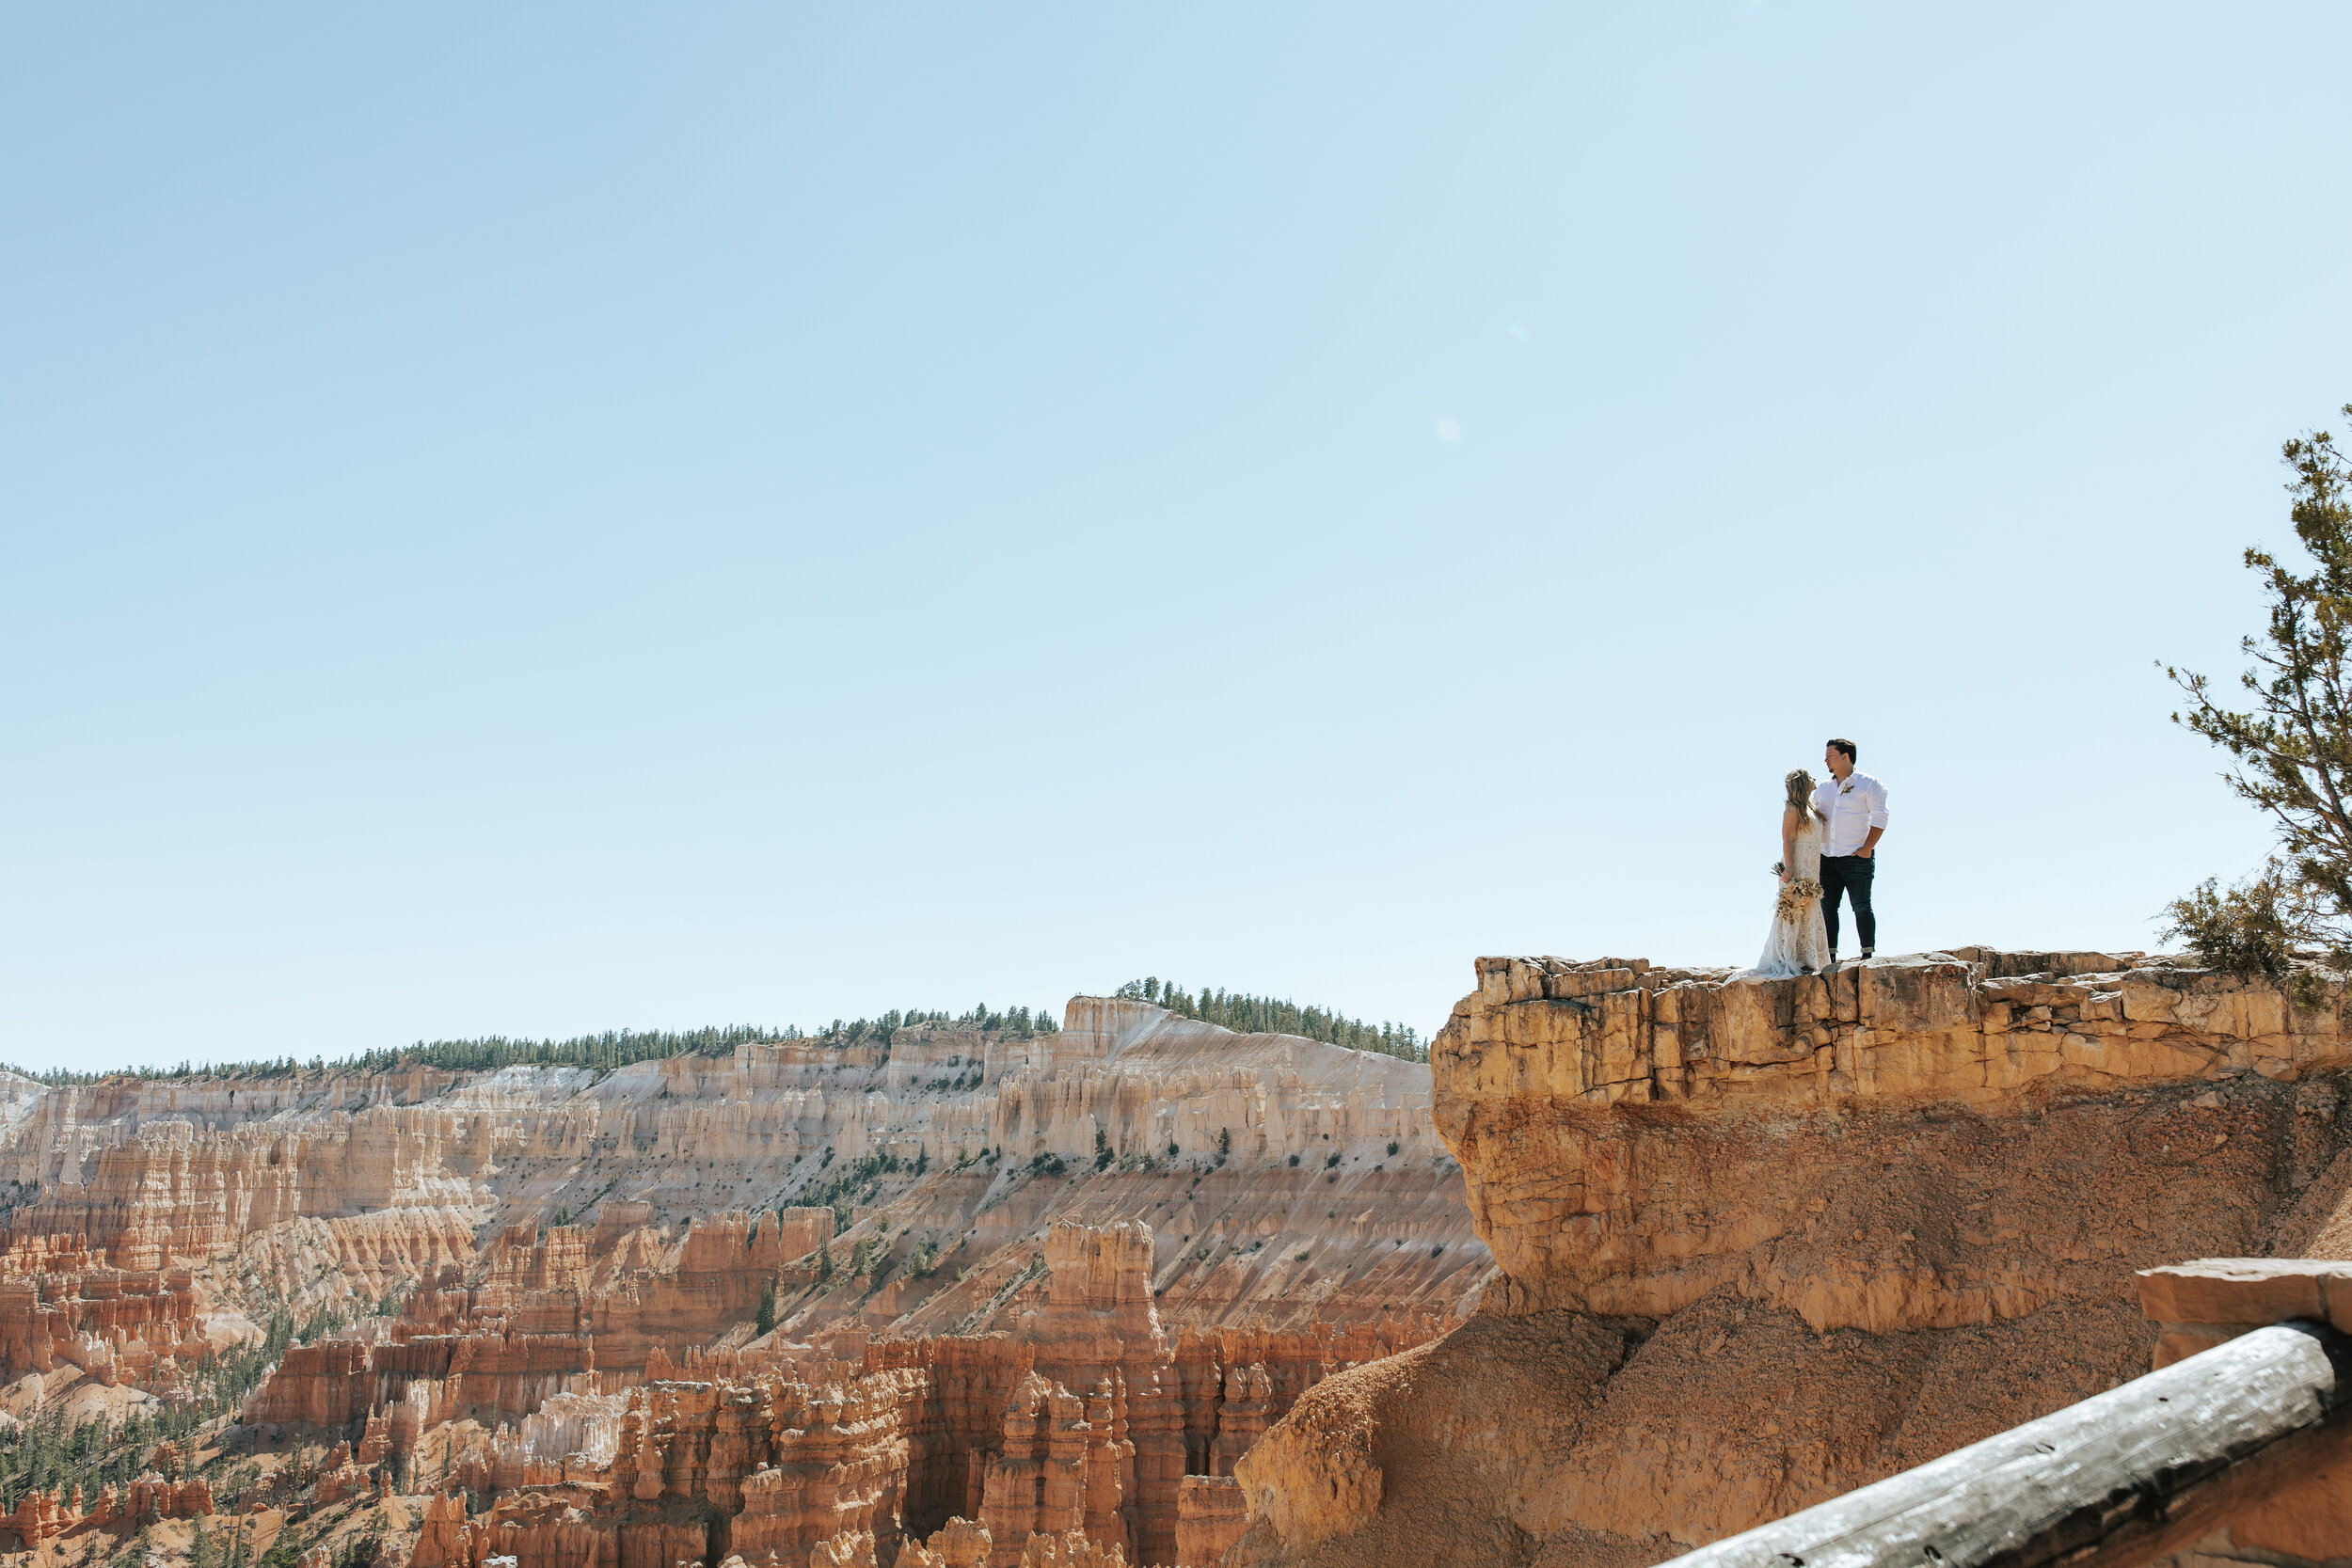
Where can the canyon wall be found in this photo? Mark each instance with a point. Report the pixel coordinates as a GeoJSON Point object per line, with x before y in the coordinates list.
{"type": "Point", "coordinates": [60, 1306]}
{"type": "Point", "coordinates": [1084, 1420]}
{"type": "Point", "coordinates": [1760, 1242]}
{"type": "Point", "coordinates": [1287, 1183]}
{"type": "Point", "coordinates": [967, 1292]}
{"type": "Point", "coordinates": [320, 1187]}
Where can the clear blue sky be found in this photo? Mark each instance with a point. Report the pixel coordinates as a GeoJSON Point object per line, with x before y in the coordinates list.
{"type": "Point", "coordinates": [543, 519]}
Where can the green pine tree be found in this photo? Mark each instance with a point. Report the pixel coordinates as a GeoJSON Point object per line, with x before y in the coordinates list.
{"type": "Point", "coordinates": [766, 1322]}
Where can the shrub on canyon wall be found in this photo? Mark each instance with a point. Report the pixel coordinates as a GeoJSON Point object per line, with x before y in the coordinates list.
{"type": "Point", "coordinates": [2290, 751]}
{"type": "Point", "coordinates": [2245, 929]}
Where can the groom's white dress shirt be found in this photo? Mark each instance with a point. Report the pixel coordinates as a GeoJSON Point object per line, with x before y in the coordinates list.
{"type": "Point", "coordinates": [1849, 812]}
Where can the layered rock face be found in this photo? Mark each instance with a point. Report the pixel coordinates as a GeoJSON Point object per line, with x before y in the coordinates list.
{"type": "Point", "coordinates": [319, 1188]}
{"type": "Point", "coordinates": [1641, 1214]}
{"type": "Point", "coordinates": [1023, 1287]}
{"type": "Point", "coordinates": [549, 1308]}
{"type": "Point", "coordinates": [1209, 1517]}
{"type": "Point", "coordinates": [1281, 1249]}
{"type": "Point", "coordinates": [61, 1306]}
{"type": "Point", "coordinates": [44, 1515]}
{"type": "Point", "coordinates": [178, 1189]}
{"type": "Point", "coordinates": [1079, 1423]}
{"type": "Point", "coordinates": [1762, 1241]}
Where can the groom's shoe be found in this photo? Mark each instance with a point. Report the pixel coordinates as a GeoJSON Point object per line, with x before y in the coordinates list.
{"type": "Point", "coordinates": [1866, 952]}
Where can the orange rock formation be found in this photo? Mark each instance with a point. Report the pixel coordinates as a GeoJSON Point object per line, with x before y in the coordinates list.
{"type": "Point", "coordinates": [1211, 1516]}
{"type": "Point", "coordinates": [61, 1304]}
{"type": "Point", "coordinates": [1762, 1241]}
{"type": "Point", "coordinates": [784, 1449]}
{"type": "Point", "coordinates": [42, 1515]}
{"type": "Point", "coordinates": [383, 1179]}
{"type": "Point", "coordinates": [1026, 1281]}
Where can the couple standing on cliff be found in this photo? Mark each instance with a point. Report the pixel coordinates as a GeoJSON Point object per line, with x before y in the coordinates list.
{"type": "Point", "coordinates": [1829, 839]}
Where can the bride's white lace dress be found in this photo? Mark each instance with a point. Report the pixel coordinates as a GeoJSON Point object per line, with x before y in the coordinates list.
{"type": "Point", "coordinates": [1803, 942]}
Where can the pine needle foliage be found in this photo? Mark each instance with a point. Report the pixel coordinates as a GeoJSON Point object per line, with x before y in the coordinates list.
{"type": "Point", "coordinates": [1246, 1014]}
{"type": "Point", "coordinates": [2291, 750]}
{"type": "Point", "coordinates": [614, 1048]}
{"type": "Point", "coordinates": [988, 1019]}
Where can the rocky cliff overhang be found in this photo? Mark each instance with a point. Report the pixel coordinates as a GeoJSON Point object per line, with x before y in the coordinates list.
{"type": "Point", "coordinates": [1635, 1136]}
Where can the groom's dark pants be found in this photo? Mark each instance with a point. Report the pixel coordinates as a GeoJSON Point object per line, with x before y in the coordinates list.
{"type": "Point", "coordinates": [1849, 875]}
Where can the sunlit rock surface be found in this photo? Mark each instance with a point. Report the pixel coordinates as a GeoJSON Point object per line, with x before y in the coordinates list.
{"type": "Point", "coordinates": [1022, 1286]}
{"type": "Point", "coordinates": [1759, 1241]}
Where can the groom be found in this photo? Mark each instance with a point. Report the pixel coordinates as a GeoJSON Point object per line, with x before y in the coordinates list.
{"type": "Point", "coordinates": [1853, 814]}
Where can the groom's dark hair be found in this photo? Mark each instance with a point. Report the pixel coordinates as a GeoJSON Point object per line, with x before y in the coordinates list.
{"type": "Point", "coordinates": [1845, 746]}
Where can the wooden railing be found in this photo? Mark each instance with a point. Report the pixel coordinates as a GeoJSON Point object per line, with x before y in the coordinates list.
{"type": "Point", "coordinates": [2129, 1475]}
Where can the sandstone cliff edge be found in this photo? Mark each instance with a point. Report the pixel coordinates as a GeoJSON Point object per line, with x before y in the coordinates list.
{"type": "Point", "coordinates": [1761, 1241]}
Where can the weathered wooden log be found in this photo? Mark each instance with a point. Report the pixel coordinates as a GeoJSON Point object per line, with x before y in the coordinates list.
{"type": "Point", "coordinates": [2119, 1479]}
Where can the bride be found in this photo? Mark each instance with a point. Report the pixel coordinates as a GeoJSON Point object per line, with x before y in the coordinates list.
{"type": "Point", "coordinates": [1800, 941]}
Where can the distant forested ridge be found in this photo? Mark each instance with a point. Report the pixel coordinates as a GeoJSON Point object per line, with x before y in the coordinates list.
{"type": "Point", "coordinates": [1017, 1020]}
{"type": "Point", "coordinates": [618, 1048]}
{"type": "Point", "coordinates": [1264, 1015]}
{"type": "Point", "coordinates": [605, 1052]}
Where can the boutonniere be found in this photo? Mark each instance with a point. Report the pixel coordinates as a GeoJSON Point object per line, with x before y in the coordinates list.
{"type": "Point", "coordinates": [1847, 790]}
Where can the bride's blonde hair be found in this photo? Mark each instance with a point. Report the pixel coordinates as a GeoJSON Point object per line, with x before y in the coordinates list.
{"type": "Point", "coordinates": [1800, 784]}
